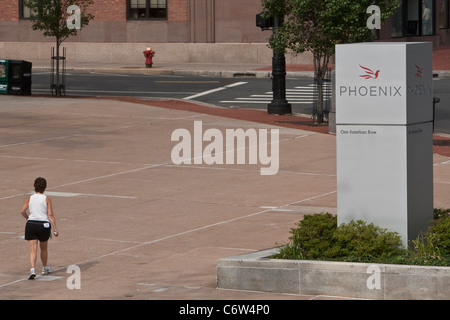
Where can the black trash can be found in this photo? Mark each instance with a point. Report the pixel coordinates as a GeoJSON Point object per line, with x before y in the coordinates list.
{"type": "Point", "coordinates": [4, 76]}
{"type": "Point", "coordinates": [19, 77]}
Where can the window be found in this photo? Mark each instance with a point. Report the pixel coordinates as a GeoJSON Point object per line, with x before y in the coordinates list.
{"type": "Point", "coordinates": [413, 17]}
{"type": "Point", "coordinates": [443, 14]}
{"type": "Point", "coordinates": [397, 22]}
{"type": "Point", "coordinates": [147, 9]}
{"type": "Point", "coordinates": [427, 17]}
{"type": "Point", "coordinates": [417, 18]}
{"type": "Point", "coordinates": [24, 11]}
{"type": "Point", "coordinates": [420, 18]}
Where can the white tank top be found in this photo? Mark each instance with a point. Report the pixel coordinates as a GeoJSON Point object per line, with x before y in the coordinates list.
{"type": "Point", "coordinates": [38, 207]}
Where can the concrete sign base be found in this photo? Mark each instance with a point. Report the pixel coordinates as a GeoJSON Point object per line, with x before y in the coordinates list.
{"type": "Point", "coordinates": [386, 176]}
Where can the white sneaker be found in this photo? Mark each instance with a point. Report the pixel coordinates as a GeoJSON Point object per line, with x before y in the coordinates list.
{"type": "Point", "coordinates": [46, 270]}
{"type": "Point", "coordinates": [32, 274]}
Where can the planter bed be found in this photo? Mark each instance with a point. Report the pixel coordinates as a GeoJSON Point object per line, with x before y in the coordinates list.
{"type": "Point", "coordinates": [258, 272]}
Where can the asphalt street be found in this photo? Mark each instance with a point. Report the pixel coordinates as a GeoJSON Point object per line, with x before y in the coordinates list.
{"type": "Point", "coordinates": [254, 93]}
{"type": "Point", "coordinates": [245, 92]}
{"type": "Point", "coordinates": [441, 88]}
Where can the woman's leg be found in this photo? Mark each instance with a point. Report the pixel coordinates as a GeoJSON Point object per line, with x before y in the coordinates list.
{"type": "Point", "coordinates": [33, 252]}
{"type": "Point", "coordinates": [44, 253]}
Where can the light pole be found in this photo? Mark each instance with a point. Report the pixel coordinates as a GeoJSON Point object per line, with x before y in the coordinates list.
{"type": "Point", "coordinates": [279, 104]}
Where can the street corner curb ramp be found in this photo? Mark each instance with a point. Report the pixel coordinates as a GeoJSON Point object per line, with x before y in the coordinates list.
{"type": "Point", "coordinates": [258, 272]}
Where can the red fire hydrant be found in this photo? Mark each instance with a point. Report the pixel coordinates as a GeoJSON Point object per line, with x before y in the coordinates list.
{"type": "Point", "coordinates": [149, 53]}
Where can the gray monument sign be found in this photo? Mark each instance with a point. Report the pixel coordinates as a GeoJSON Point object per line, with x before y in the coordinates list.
{"type": "Point", "coordinates": [384, 114]}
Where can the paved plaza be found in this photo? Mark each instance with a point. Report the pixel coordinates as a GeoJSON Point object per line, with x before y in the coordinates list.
{"type": "Point", "coordinates": [137, 225]}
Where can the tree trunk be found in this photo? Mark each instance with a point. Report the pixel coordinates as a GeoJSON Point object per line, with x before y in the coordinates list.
{"type": "Point", "coordinates": [320, 70]}
{"type": "Point", "coordinates": [58, 86]}
{"type": "Point", "coordinates": [319, 83]}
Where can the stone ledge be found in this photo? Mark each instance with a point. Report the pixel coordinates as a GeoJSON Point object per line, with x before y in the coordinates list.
{"type": "Point", "coordinates": [257, 272]}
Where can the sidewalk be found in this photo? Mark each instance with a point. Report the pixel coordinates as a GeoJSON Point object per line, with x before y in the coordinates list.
{"type": "Point", "coordinates": [215, 70]}
{"type": "Point", "coordinates": [441, 67]}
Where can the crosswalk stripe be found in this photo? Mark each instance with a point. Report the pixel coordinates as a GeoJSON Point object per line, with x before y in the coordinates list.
{"type": "Point", "coordinates": [297, 95]}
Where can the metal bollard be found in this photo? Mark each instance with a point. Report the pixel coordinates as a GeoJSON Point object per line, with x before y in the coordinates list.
{"type": "Point", "coordinates": [435, 100]}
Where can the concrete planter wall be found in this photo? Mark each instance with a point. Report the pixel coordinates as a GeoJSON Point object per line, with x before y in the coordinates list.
{"type": "Point", "coordinates": [257, 272]}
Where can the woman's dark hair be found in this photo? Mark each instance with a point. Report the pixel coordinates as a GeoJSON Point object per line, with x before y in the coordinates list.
{"type": "Point", "coordinates": [40, 184]}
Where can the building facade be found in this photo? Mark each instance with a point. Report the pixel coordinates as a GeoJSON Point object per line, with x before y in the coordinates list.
{"type": "Point", "coordinates": [419, 20]}
{"type": "Point", "coordinates": [126, 21]}
{"type": "Point", "coordinates": [210, 31]}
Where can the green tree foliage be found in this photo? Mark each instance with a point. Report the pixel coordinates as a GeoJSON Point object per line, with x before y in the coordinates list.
{"type": "Point", "coordinates": [318, 25]}
{"type": "Point", "coordinates": [50, 16]}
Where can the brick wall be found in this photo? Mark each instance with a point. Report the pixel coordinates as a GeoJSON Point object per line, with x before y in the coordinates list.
{"type": "Point", "coordinates": [9, 10]}
{"type": "Point", "coordinates": [109, 10]}
{"type": "Point", "coordinates": [178, 10]}
{"type": "Point", "coordinates": [104, 10]}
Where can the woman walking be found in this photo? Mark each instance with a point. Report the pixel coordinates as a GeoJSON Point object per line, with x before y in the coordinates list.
{"type": "Point", "coordinates": [39, 221]}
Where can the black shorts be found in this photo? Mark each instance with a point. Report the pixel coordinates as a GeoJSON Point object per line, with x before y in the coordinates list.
{"type": "Point", "coordinates": [37, 230]}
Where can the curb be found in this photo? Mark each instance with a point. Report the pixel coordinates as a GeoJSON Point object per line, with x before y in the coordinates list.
{"type": "Point", "coordinates": [136, 70]}
{"type": "Point", "coordinates": [443, 74]}
{"type": "Point", "coordinates": [241, 74]}
{"type": "Point", "coordinates": [440, 74]}
{"type": "Point", "coordinates": [180, 72]}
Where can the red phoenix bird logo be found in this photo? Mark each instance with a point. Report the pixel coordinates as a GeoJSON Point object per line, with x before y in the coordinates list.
{"type": "Point", "coordinates": [419, 73]}
{"type": "Point", "coordinates": [369, 74]}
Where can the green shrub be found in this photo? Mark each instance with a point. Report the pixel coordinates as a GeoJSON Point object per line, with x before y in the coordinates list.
{"type": "Point", "coordinates": [318, 237]}
{"type": "Point", "coordinates": [423, 251]}
{"type": "Point", "coordinates": [439, 231]}
{"type": "Point", "coordinates": [441, 213]}
{"type": "Point", "coordinates": [362, 242]}
{"type": "Point", "coordinates": [312, 239]}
